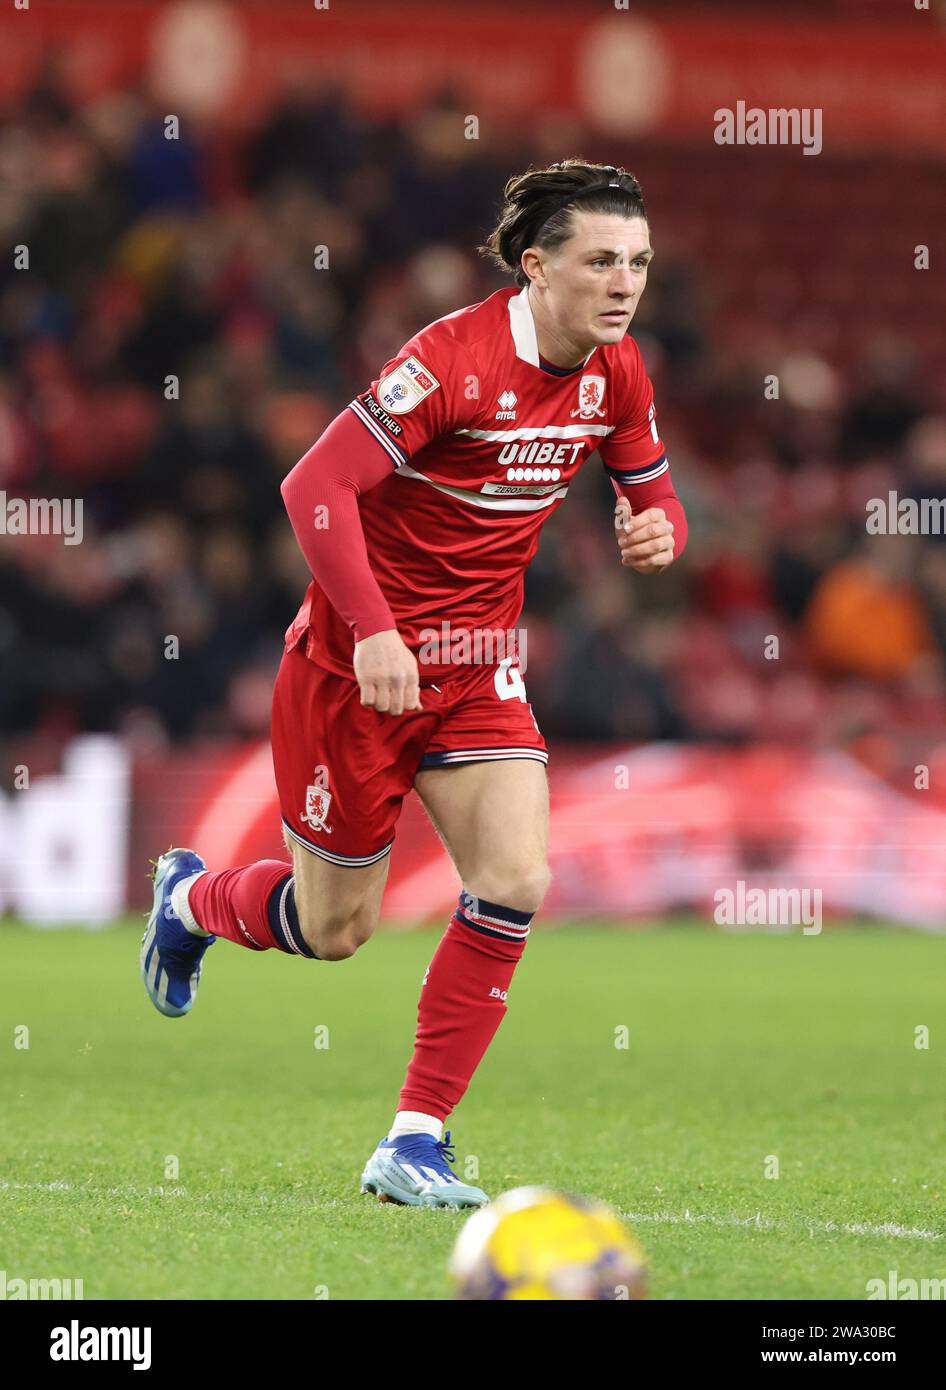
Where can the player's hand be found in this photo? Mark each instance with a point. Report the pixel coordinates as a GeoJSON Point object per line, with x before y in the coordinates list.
{"type": "Point", "coordinates": [645, 540]}
{"type": "Point", "coordinates": [387, 675]}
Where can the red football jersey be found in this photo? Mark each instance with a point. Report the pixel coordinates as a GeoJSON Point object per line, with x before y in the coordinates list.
{"type": "Point", "coordinates": [484, 441]}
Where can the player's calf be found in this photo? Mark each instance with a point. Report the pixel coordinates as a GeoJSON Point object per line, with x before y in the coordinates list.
{"type": "Point", "coordinates": [253, 906]}
{"type": "Point", "coordinates": [315, 913]}
{"type": "Point", "coordinates": [334, 934]}
{"type": "Point", "coordinates": [337, 906]}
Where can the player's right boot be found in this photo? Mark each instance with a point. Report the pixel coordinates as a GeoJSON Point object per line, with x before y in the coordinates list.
{"type": "Point", "coordinates": [414, 1171]}
{"type": "Point", "coordinates": [171, 955]}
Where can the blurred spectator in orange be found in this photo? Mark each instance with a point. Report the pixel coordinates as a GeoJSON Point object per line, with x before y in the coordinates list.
{"type": "Point", "coordinates": [865, 617]}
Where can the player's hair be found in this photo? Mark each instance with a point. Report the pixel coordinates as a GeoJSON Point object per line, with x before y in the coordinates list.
{"type": "Point", "coordinates": [538, 206]}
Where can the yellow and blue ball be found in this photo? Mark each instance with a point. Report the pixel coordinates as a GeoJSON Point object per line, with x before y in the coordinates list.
{"type": "Point", "coordinates": [535, 1243]}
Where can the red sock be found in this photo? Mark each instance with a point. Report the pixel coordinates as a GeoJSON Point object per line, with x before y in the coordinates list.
{"type": "Point", "coordinates": [254, 906]}
{"type": "Point", "coordinates": [462, 1002]}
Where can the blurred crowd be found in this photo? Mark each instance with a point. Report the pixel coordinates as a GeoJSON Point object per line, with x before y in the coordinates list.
{"type": "Point", "coordinates": [171, 351]}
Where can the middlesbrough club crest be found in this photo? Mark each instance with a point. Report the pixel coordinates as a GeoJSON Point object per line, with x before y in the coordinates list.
{"type": "Point", "coordinates": [590, 398]}
{"type": "Point", "coordinates": [317, 803]}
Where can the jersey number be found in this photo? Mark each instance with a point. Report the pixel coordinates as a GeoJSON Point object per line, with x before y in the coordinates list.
{"type": "Point", "coordinates": [508, 682]}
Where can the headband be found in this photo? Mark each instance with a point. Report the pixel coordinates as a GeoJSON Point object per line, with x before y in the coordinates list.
{"type": "Point", "coordinates": [566, 199]}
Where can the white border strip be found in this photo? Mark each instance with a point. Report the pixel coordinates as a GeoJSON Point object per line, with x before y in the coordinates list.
{"type": "Point", "coordinates": [347, 861]}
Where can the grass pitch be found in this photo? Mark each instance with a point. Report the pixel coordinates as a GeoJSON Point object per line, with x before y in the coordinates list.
{"type": "Point", "coordinates": [741, 1050]}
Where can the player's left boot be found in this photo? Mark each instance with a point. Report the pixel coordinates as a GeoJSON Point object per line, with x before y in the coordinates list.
{"type": "Point", "coordinates": [171, 955]}
{"type": "Point", "coordinates": [414, 1171]}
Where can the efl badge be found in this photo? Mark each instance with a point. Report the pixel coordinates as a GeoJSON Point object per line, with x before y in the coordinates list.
{"type": "Point", "coordinates": [590, 396]}
{"type": "Point", "coordinates": [317, 803]}
{"type": "Point", "coordinates": [406, 386]}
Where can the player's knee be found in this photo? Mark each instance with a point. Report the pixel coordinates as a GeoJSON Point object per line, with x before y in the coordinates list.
{"type": "Point", "coordinates": [519, 886]}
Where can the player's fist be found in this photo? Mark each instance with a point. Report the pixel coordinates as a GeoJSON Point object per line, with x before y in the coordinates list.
{"type": "Point", "coordinates": [386, 671]}
{"type": "Point", "coordinates": [645, 540]}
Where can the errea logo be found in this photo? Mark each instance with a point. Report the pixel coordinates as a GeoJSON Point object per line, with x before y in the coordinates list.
{"type": "Point", "coordinates": [507, 405]}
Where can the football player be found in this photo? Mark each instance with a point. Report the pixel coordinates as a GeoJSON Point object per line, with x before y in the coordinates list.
{"type": "Point", "coordinates": [418, 510]}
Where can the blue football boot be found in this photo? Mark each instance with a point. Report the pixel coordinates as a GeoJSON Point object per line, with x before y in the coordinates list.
{"type": "Point", "coordinates": [171, 955]}
{"type": "Point", "coordinates": [414, 1171]}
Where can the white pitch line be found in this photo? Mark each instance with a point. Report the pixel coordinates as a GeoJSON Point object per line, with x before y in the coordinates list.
{"type": "Point", "coordinates": [765, 1223]}
{"type": "Point", "coordinates": [131, 1192]}
{"type": "Point", "coordinates": [655, 1218]}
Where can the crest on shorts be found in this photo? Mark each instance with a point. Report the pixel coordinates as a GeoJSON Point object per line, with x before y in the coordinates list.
{"type": "Point", "coordinates": [317, 803]}
{"type": "Point", "coordinates": [590, 396]}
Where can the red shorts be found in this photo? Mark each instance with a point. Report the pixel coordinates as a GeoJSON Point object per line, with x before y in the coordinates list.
{"type": "Point", "coordinates": [343, 770]}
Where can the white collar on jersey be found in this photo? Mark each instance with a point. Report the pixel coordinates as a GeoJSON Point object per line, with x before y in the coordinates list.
{"type": "Point", "coordinates": [522, 327]}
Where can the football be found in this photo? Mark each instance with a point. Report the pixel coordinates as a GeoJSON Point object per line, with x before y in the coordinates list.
{"type": "Point", "coordinates": [534, 1243]}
